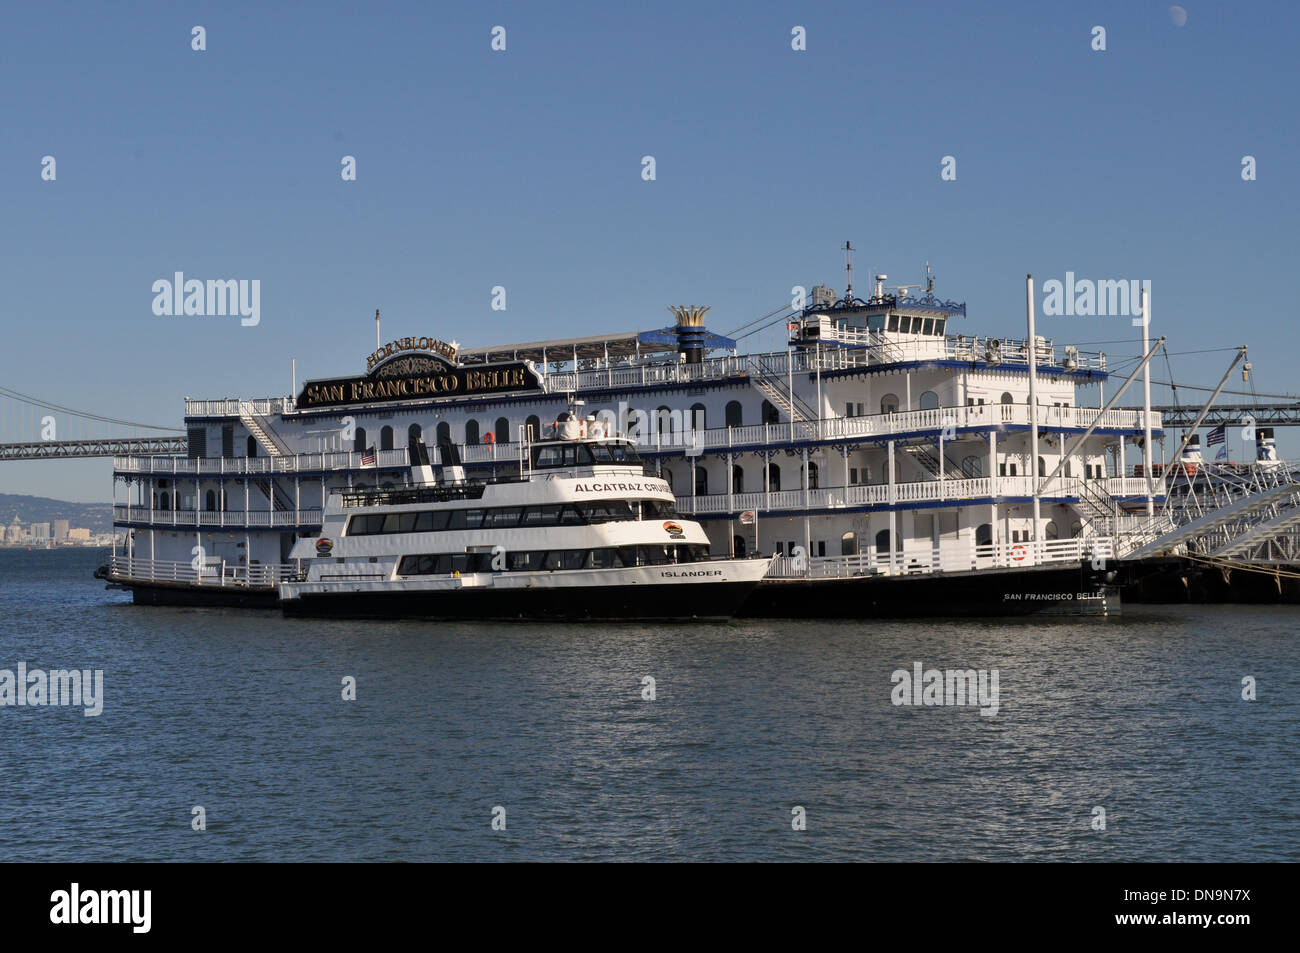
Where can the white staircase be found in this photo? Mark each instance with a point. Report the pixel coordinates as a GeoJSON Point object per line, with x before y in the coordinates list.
{"type": "Point", "coordinates": [262, 431]}
{"type": "Point", "coordinates": [773, 385]}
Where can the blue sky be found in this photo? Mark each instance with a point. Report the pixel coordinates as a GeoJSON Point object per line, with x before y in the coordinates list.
{"type": "Point", "coordinates": [523, 169]}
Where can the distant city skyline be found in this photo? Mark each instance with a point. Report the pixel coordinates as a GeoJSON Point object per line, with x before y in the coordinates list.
{"type": "Point", "coordinates": [991, 141]}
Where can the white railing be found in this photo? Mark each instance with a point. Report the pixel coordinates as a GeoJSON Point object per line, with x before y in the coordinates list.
{"type": "Point", "coordinates": [229, 406]}
{"type": "Point", "coordinates": [216, 518]}
{"type": "Point", "coordinates": [978, 417]}
{"type": "Point", "coordinates": [1134, 486]}
{"type": "Point", "coordinates": [949, 556]}
{"type": "Point", "coordinates": [877, 494]}
{"type": "Point", "coordinates": [876, 348]}
{"type": "Point", "coordinates": [212, 572]}
{"type": "Point", "coordinates": [254, 466]}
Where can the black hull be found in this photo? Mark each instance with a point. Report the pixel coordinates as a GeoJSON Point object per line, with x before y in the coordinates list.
{"type": "Point", "coordinates": [989, 593]}
{"type": "Point", "coordinates": [1172, 580]}
{"type": "Point", "coordinates": [715, 601]}
{"type": "Point", "coordinates": [180, 594]}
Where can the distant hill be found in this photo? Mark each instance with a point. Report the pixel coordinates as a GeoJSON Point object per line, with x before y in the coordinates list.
{"type": "Point", "coordinates": [96, 517]}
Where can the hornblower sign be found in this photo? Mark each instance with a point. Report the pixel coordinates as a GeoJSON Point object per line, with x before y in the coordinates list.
{"type": "Point", "coordinates": [418, 369]}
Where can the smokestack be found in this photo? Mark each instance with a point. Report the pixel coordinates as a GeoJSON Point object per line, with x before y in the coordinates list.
{"type": "Point", "coordinates": [690, 332]}
{"type": "Point", "coordinates": [1265, 447]}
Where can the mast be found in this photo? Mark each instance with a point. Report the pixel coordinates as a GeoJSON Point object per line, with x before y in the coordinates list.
{"type": "Point", "coordinates": [1033, 407]}
{"type": "Point", "coordinates": [848, 269]}
{"type": "Point", "coordinates": [1146, 404]}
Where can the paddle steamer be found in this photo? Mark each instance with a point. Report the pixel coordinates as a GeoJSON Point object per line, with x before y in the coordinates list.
{"type": "Point", "coordinates": [893, 466]}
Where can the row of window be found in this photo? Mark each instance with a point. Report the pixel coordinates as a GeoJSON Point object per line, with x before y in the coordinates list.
{"type": "Point", "coordinates": [662, 421]}
{"type": "Point", "coordinates": [612, 557]}
{"type": "Point", "coordinates": [510, 517]}
{"type": "Point", "coordinates": [584, 454]}
{"type": "Point", "coordinates": [972, 468]}
{"type": "Point", "coordinates": [1091, 471]}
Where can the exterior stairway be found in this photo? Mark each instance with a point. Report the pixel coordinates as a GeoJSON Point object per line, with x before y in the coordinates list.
{"type": "Point", "coordinates": [773, 384]}
{"type": "Point", "coordinates": [925, 460]}
{"type": "Point", "coordinates": [280, 500]}
{"type": "Point", "coordinates": [262, 431]}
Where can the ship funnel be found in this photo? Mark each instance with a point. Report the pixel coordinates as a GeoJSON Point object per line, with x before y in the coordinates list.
{"type": "Point", "coordinates": [1192, 452]}
{"type": "Point", "coordinates": [1266, 447]}
{"type": "Point", "coordinates": [690, 332]}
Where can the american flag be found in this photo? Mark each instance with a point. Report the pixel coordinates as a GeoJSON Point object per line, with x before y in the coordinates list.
{"type": "Point", "coordinates": [1217, 435]}
{"type": "Point", "coordinates": [368, 457]}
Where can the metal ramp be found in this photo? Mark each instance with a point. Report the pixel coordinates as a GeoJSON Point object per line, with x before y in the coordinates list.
{"type": "Point", "coordinates": [1273, 540]}
{"type": "Point", "coordinates": [1236, 520]}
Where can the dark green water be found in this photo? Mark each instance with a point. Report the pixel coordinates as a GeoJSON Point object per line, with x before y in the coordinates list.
{"type": "Point", "coordinates": [241, 712]}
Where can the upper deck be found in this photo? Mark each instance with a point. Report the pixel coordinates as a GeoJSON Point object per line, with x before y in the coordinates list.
{"type": "Point", "coordinates": [839, 350]}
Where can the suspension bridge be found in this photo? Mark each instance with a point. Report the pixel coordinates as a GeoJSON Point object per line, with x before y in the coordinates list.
{"type": "Point", "coordinates": [32, 428]}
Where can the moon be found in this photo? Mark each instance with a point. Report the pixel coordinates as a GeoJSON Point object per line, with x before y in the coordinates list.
{"type": "Point", "coordinates": [1178, 15]}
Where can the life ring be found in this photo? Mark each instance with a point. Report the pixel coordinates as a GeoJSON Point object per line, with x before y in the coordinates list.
{"type": "Point", "coordinates": [489, 438]}
{"type": "Point", "coordinates": [1018, 553]}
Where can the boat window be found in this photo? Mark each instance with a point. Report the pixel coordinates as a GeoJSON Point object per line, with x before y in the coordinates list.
{"type": "Point", "coordinates": [430, 520]}
{"type": "Point", "coordinates": [554, 559]}
{"type": "Point", "coordinates": [366, 525]}
{"type": "Point", "coordinates": [575, 558]}
{"type": "Point", "coordinates": [548, 456]}
{"type": "Point", "coordinates": [603, 559]}
{"type": "Point", "coordinates": [502, 517]}
{"type": "Point", "coordinates": [608, 511]}
{"type": "Point", "coordinates": [602, 453]}
{"type": "Point", "coordinates": [571, 515]}
{"type": "Point", "coordinates": [539, 515]}
{"type": "Point", "coordinates": [399, 522]}
{"type": "Point", "coordinates": [893, 323]}
{"type": "Point", "coordinates": [658, 510]}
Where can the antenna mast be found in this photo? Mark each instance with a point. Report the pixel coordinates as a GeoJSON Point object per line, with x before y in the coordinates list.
{"type": "Point", "coordinates": [848, 268]}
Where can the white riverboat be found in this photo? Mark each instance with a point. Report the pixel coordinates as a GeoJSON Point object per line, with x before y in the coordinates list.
{"type": "Point", "coordinates": [876, 447]}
